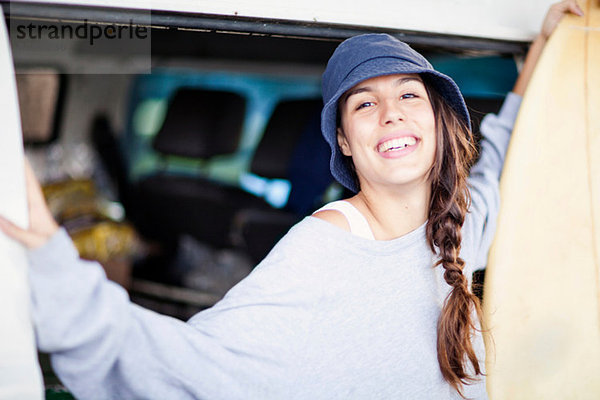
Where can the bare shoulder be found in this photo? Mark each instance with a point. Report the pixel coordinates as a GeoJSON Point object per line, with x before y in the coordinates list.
{"type": "Point", "coordinates": [333, 217]}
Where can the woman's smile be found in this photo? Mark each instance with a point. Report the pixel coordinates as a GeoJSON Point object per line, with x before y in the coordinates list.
{"type": "Point", "coordinates": [397, 145]}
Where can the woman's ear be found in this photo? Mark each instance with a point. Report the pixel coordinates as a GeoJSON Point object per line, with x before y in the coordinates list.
{"type": "Point", "coordinates": [343, 143]}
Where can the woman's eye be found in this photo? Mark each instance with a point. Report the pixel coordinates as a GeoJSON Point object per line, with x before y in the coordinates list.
{"type": "Point", "coordinates": [365, 105]}
{"type": "Point", "coordinates": [408, 96]}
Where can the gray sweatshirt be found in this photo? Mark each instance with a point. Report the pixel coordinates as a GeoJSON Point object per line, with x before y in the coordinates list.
{"type": "Point", "coordinates": [326, 315]}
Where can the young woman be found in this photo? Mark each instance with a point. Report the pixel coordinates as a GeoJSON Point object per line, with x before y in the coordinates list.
{"type": "Point", "coordinates": [348, 304]}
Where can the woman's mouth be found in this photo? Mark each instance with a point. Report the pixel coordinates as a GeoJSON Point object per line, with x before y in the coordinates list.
{"type": "Point", "coordinates": [396, 144]}
{"type": "Point", "coordinates": [396, 147]}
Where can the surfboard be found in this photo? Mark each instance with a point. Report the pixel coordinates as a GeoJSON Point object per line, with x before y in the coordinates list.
{"type": "Point", "coordinates": [541, 294]}
{"type": "Point", "coordinates": [20, 376]}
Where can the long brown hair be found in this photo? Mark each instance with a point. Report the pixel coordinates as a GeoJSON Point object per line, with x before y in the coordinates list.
{"type": "Point", "coordinates": [450, 199]}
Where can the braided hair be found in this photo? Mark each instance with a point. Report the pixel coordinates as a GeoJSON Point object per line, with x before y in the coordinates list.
{"type": "Point", "coordinates": [450, 199]}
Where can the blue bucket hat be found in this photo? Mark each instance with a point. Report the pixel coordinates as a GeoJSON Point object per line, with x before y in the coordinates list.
{"type": "Point", "coordinates": [367, 56]}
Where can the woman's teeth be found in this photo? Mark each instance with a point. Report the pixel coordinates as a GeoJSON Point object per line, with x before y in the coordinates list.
{"type": "Point", "coordinates": [396, 144]}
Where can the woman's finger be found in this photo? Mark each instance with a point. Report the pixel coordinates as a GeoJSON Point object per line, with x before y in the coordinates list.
{"type": "Point", "coordinates": [41, 223]}
{"type": "Point", "coordinates": [41, 220]}
{"type": "Point", "coordinates": [30, 239]}
{"type": "Point", "coordinates": [556, 12]}
{"type": "Point", "coordinates": [572, 6]}
{"type": "Point", "coordinates": [35, 195]}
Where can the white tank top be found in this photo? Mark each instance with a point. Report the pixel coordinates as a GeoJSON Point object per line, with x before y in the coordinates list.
{"type": "Point", "coordinates": [358, 223]}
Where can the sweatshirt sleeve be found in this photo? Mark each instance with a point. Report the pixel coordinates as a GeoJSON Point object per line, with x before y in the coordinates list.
{"type": "Point", "coordinates": [105, 347]}
{"type": "Point", "coordinates": [483, 181]}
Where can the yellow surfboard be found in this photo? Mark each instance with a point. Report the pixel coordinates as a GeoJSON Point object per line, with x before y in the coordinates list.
{"type": "Point", "coordinates": [542, 285]}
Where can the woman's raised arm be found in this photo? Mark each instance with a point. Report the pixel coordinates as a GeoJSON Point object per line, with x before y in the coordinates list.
{"type": "Point", "coordinates": [480, 224]}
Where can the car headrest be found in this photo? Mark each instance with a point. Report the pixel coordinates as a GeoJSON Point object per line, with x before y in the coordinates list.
{"type": "Point", "coordinates": [288, 121]}
{"type": "Point", "coordinates": [201, 123]}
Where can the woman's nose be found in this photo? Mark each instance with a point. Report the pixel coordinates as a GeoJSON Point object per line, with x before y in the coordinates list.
{"type": "Point", "coordinates": [391, 112]}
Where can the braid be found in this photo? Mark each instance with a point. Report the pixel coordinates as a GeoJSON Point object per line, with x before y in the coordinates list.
{"type": "Point", "coordinates": [450, 200]}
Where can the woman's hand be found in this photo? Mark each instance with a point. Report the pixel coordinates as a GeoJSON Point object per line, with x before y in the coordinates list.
{"type": "Point", "coordinates": [553, 16]}
{"type": "Point", "coordinates": [41, 223]}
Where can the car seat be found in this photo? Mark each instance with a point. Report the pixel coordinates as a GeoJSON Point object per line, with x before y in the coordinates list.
{"type": "Point", "coordinates": [199, 124]}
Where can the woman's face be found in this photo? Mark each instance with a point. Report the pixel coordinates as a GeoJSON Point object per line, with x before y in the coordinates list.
{"type": "Point", "coordinates": [388, 128]}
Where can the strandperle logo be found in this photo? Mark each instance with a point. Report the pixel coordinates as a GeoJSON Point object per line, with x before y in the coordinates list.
{"type": "Point", "coordinates": [90, 32]}
{"type": "Point", "coordinates": [88, 44]}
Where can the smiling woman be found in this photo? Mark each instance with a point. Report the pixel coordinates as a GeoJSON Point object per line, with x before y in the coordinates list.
{"type": "Point", "coordinates": [331, 312]}
{"type": "Point", "coordinates": [411, 152]}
